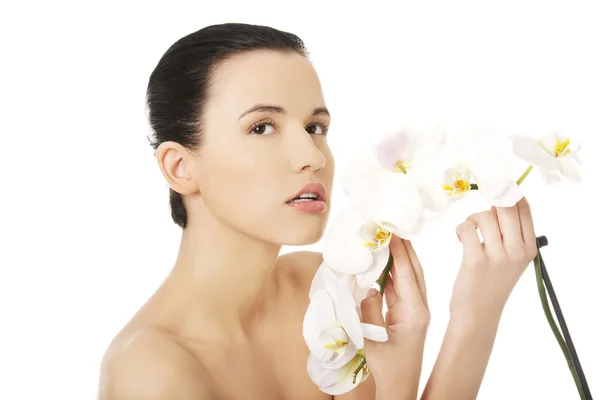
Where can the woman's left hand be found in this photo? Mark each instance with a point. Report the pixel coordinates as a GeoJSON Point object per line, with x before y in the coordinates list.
{"type": "Point", "coordinates": [396, 364]}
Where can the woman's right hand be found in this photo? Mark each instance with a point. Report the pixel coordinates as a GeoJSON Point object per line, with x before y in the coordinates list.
{"type": "Point", "coordinates": [488, 273]}
{"type": "Point", "coordinates": [490, 269]}
{"type": "Point", "coordinates": [396, 363]}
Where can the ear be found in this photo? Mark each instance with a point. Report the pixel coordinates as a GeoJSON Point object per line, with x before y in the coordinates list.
{"type": "Point", "coordinates": [177, 166]}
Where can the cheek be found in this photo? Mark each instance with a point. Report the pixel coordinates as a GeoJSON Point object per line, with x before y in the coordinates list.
{"type": "Point", "coordinates": [331, 162]}
{"type": "Point", "coordinates": [241, 188]}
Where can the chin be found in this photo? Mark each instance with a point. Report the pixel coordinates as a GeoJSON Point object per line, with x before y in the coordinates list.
{"type": "Point", "coordinates": [303, 231]}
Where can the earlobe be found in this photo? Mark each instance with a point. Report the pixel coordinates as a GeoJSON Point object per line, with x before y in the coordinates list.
{"type": "Point", "coordinates": [173, 162]}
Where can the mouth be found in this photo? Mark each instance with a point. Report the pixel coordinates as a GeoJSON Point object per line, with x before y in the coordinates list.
{"type": "Point", "coordinates": [309, 193]}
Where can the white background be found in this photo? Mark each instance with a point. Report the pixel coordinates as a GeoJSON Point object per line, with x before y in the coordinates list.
{"type": "Point", "coordinates": [85, 229]}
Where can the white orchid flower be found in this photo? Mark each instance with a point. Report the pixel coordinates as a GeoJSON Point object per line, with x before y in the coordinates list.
{"type": "Point", "coordinates": [337, 381]}
{"type": "Point", "coordinates": [349, 280]}
{"type": "Point", "coordinates": [332, 329]}
{"type": "Point", "coordinates": [357, 241]}
{"type": "Point", "coordinates": [477, 156]}
{"type": "Point", "coordinates": [555, 155]}
{"type": "Point", "coordinates": [358, 177]}
{"type": "Point", "coordinates": [334, 334]}
{"type": "Point", "coordinates": [400, 150]}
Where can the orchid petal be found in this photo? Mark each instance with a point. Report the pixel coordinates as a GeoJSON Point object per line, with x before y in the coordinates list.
{"type": "Point", "coordinates": [490, 168]}
{"type": "Point", "coordinates": [433, 196]}
{"type": "Point", "coordinates": [550, 176]}
{"type": "Point", "coordinates": [367, 278]}
{"type": "Point", "coordinates": [323, 280]}
{"type": "Point", "coordinates": [531, 150]}
{"type": "Point", "coordinates": [395, 147]}
{"type": "Point", "coordinates": [357, 177]}
{"type": "Point", "coordinates": [315, 369]}
{"type": "Point", "coordinates": [319, 315]}
{"type": "Point", "coordinates": [508, 198]}
{"type": "Point", "coordinates": [375, 333]}
{"type": "Point", "coordinates": [399, 150]}
{"type": "Point", "coordinates": [334, 381]}
{"type": "Point", "coordinates": [360, 293]}
{"type": "Point", "coordinates": [343, 249]}
{"type": "Point", "coordinates": [349, 352]}
{"type": "Point", "coordinates": [548, 141]}
{"type": "Point", "coordinates": [394, 201]}
{"type": "Point", "coordinates": [427, 174]}
{"type": "Point", "coordinates": [568, 168]}
{"type": "Point", "coordinates": [347, 316]}
{"type": "Point", "coordinates": [487, 155]}
{"type": "Point", "coordinates": [491, 184]}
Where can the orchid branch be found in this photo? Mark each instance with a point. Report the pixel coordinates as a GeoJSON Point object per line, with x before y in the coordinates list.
{"type": "Point", "coordinates": [381, 281]}
{"type": "Point", "coordinates": [552, 323]}
{"type": "Point", "coordinates": [527, 171]}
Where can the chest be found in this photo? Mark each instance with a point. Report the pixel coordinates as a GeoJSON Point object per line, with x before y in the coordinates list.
{"type": "Point", "coordinates": [276, 372]}
{"type": "Point", "coordinates": [272, 366]}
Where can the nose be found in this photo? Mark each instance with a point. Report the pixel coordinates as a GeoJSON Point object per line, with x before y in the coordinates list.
{"type": "Point", "coordinates": [304, 153]}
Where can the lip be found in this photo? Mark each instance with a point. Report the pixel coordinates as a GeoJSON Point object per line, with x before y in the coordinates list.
{"type": "Point", "coordinates": [312, 187]}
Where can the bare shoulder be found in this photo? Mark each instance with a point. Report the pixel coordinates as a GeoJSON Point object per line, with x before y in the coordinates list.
{"type": "Point", "coordinates": [301, 266]}
{"type": "Point", "coordinates": [150, 364]}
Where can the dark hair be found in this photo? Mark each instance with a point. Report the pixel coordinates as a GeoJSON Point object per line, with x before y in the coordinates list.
{"type": "Point", "coordinates": [178, 86]}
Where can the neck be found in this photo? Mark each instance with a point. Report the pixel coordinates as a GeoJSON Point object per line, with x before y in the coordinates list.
{"type": "Point", "coordinates": [223, 277]}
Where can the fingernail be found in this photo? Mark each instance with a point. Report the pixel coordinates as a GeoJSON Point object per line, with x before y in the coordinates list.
{"type": "Point", "coordinates": [372, 292]}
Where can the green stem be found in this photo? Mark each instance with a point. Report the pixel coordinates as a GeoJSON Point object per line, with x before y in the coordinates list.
{"type": "Point", "coordinates": [552, 323]}
{"type": "Point", "coordinates": [527, 171]}
{"type": "Point", "coordinates": [355, 374]}
{"type": "Point", "coordinates": [386, 272]}
{"type": "Point", "coordinates": [519, 181]}
{"type": "Point", "coordinates": [381, 281]}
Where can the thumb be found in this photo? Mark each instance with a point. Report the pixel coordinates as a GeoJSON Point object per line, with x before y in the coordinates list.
{"type": "Point", "coordinates": [371, 308]}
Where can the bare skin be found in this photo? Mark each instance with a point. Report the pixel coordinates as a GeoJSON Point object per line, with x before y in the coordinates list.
{"type": "Point", "coordinates": [488, 273]}
{"type": "Point", "coordinates": [227, 321]}
{"type": "Point", "coordinates": [268, 361]}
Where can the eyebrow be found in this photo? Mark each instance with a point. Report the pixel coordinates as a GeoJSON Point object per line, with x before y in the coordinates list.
{"type": "Point", "coordinates": [280, 110]}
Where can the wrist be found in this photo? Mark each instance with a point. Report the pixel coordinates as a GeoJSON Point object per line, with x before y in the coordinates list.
{"type": "Point", "coordinates": [468, 326]}
{"type": "Point", "coordinates": [475, 319]}
{"type": "Point", "coordinates": [398, 386]}
{"type": "Point", "coordinates": [395, 393]}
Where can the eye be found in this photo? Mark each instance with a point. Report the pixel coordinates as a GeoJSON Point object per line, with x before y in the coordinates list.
{"type": "Point", "coordinates": [261, 128]}
{"type": "Point", "coordinates": [317, 128]}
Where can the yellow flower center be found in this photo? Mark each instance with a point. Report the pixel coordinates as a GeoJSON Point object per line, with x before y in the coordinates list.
{"type": "Point", "coordinates": [337, 345]}
{"type": "Point", "coordinates": [380, 235]}
{"type": "Point", "coordinates": [402, 166]}
{"type": "Point", "coordinates": [456, 183]}
{"type": "Point", "coordinates": [561, 147]}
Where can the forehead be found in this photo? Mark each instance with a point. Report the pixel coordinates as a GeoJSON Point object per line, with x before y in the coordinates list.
{"type": "Point", "coordinates": [263, 76]}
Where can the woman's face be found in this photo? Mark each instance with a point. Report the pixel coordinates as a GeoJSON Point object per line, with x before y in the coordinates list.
{"type": "Point", "coordinates": [252, 162]}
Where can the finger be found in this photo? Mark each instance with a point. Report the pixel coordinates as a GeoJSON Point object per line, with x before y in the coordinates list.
{"type": "Point", "coordinates": [389, 292]}
{"type": "Point", "coordinates": [494, 212]}
{"type": "Point", "coordinates": [371, 308]}
{"type": "Point", "coordinates": [417, 269]}
{"type": "Point", "coordinates": [526, 219]}
{"type": "Point", "coordinates": [405, 283]}
{"type": "Point", "coordinates": [467, 234]}
{"type": "Point", "coordinates": [488, 225]}
{"type": "Point", "coordinates": [510, 226]}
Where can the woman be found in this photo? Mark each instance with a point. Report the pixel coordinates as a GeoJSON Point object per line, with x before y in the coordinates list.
{"type": "Point", "coordinates": [239, 131]}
